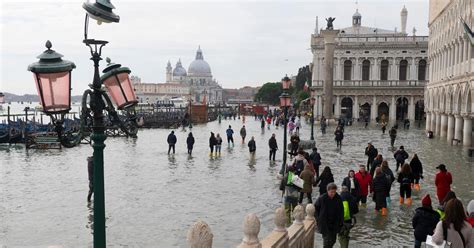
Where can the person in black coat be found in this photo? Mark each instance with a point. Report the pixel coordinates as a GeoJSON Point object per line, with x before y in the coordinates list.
{"type": "Point", "coordinates": [350, 210]}
{"type": "Point", "coordinates": [425, 220]}
{"type": "Point", "coordinates": [315, 157]}
{"type": "Point", "coordinates": [272, 143]}
{"type": "Point", "coordinates": [381, 186]}
{"type": "Point", "coordinates": [417, 170]}
{"type": "Point", "coordinates": [324, 180]}
{"type": "Point", "coordinates": [339, 136]}
{"type": "Point", "coordinates": [212, 142]}
{"type": "Point", "coordinates": [400, 155]}
{"type": "Point", "coordinates": [252, 146]}
{"type": "Point", "coordinates": [171, 141]}
{"type": "Point", "coordinates": [190, 143]}
{"type": "Point", "coordinates": [352, 184]}
{"type": "Point", "coordinates": [329, 215]}
{"type": "Point", "coordinates": [371, 153]}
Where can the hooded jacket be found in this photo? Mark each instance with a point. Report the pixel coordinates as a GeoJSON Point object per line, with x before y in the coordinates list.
{"type": "Point", "coordinates": [329, 214]}
{"type": "Point", "coordinates": [424, 222]}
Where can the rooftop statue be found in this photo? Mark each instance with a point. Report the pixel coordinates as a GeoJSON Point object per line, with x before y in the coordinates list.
{"type": "Point", "coordinates": [330, 20]}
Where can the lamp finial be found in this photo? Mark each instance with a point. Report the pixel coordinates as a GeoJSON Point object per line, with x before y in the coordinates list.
{"type": "Point", "coordinates": [48, 44]}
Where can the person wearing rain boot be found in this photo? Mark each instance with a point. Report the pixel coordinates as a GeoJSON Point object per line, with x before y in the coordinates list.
{"type": "Point", "coordinates": [365, 182]}
{"type": "Point", "coordinates": [417, 170]}
{"type": "Point", "coordinates": [291, 194]}
{"type": "Point", "coordinates": [381, 188]}
{"type": "Point", "coordinates": [218, 145]}
{"type": "Point", "coordinates": [350, 209]}
{"type": "Point", "coordinates": [405, 178]}
{"type": "Point", "coordinates": [424, 221]}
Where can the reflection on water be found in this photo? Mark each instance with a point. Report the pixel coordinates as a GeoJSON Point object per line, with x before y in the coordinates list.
{"type": "Point", "coordinates": [152, 198]}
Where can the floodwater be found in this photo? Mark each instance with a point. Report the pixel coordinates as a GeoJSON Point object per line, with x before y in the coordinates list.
{"type": "Point", "coordinates": [152, 199]}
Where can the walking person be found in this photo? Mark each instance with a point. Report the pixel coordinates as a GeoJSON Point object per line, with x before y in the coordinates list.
{"type": "Point", "coordinates": [470, 213]}
{"type": "Point", "coordinates": [262, 123]}
{"type": "Point", "coordinates": [349, 204]}
{"type": "Point", "coordinates": [390, 177]}
{"type": "Point", "coordinates": [212, 143]}
{"type": "Point", "coordinates": [269, 122]}
{"type": "Point", "coordinates": [290, 193]}
{"type": "Point", "coordinates": [90, 172]}
{"type": "Point", "coordinates": [252, 147]}
{"type": "Point", "coordinates": [405, 178]}
{"type": "Point", "coordinates": [417, 170]}
{"type": "Point", "coordinates": [190, 143]}
{"type": "Point", "coordinates": [400, 155]}
{"type": "Point", "coordinates": [365, 181]}
{"type": "Point", "coordinates": [443, 181]}
{"type": "Point", "coordinates": [316, 159]}
{"type": "Point", "coordinates": [295, 143]}
{"type": "Point", "coordinates": [308, 178]}
{"type": "Point", "coordinates": [376, 163]}
{"type": "Point", "coordinates": [424, 221]}
{"type": "Point", "coordinates": [384, 127]}
{"type": "Point", "coordinates": [329, 215]}
{"type": "Point", "coordinates": [381, 188]}
{"type": "Point", "coordinates": [454, 228]}
{"type": "Point", "coordinates": [371, 153]}
{"type": "Point", "coordinates": [218, 144]}
{"type": "Point", "coordinates": [299, 162]}
{"type": "Point", "coordinates": [298, 126]}
{"type": "Point", "coordinates": [393, 136]}
{"type": "Point", "coordinates": [323, 125]}
{"type": "Point", "coordinates": [243, 133]}
{"type": "Point", "coordinates": [230, 137]}
{"type": "Point", "coordinates": [291, 125]}
{"type": "Point", "coordinates": [351, 183]}
{"type": "Point", "coordinates": [273, 145]}
{"type": "Point", "coordinates": [324, 180]}
{"type": "Point", "coordinates": [339, 136]}
{"type": "Point", "coordinates": [171, 142]}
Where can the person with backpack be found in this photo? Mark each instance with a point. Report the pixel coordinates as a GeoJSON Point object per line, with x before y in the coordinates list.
{"type": "Point", "coordinates": [351, 208]}
{"type": "Point", "coordinates": [171, 141]}
{"type": "Point", "coordinates": [218, 144]}
{"type": "Point", "coordinates": [299, 162]}
{"type": "Point", "coordinates": [324, 180]}
{"type": "Point", "coordinates": [273, 145]}
{"type": "Point", "coordinates": [393, 135]}
{"type": "Point", "coordinates": [290, 193]}
{"type": "Point", "coordinates": [424, 221]}
{"type": "Point", "coordinates": [316, 159]}
{"type": "Point", "coordinates": [371, 153]}
{"type": "Point", "coordinates": [443, 181]}
{"type": "Point", "coordinates": [381, 188]}
{"type": "Point", "coordinates": [190, 143]}
{"type": "Point", "coordinates": [390, 177]}
{"type": "Point", "coordinates": [252, 146]}
{"type": "Point", "coordinates": [454, 228]}
{"type": "Point", "coordinates": [400, 155]}
{"type": "Point", "coordinates": [417, 170]}
{"type": "Point", "coordinates": [295, 143]}
{"type": "Point", "coordinates": [405, 178]}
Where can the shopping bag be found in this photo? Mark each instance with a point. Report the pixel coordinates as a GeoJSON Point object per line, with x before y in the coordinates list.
{"type": "Point", "coordinates": [430, 244]}
{"type": "Point", "coordinates": [297, 181]}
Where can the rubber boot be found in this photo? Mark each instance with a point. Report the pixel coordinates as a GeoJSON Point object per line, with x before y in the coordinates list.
{"type": "Point", "coordinates": [401, 200]}
{"type": "Point", "coordinates": [384, 211]}
{"type": "Point", "coordinates": [408, 201]}
{"type": "Point", "coordinates": [417, 187]}
{"type": "Point", "coordinates": [412, 186]}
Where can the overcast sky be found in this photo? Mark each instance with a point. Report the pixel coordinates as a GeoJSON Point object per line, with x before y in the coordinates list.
{"type": "Point", "coordinates": [245, 42]}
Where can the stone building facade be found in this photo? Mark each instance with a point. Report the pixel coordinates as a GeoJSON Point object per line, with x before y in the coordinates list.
{"type": "Point", "coordinates": [377, 72]}
{"type": "Point", "coordinates": [449, 94]}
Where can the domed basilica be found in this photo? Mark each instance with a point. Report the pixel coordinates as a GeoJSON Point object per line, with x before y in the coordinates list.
{"type": "Point", "coordinates": [198, 78]}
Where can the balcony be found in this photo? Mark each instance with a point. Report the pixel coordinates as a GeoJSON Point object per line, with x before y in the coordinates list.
{"type": "Point", "coordinates": [374, 83]}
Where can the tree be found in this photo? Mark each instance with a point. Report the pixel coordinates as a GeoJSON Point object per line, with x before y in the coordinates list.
{"type": "Point", "coordinates": [304, 75]}
{"type": "Point", "coordinates": [269, 93]}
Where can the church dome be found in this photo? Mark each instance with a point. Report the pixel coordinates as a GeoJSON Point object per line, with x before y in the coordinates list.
{"type": "Point", "coordinates": [199, 67]}
{"type": "Point", "coordinates": [179, 70]}
{"type": "Point", "coordinates": [356, 14]}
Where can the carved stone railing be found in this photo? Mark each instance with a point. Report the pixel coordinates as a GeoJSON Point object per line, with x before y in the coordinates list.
{"type": "Point", "coordinates": [373, 83]}
{"type": "Point", "coordinates": [299, 235]}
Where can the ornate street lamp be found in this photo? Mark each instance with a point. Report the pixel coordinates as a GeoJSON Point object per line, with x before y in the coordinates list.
{"type": "Point", "coordinates": [116, 80]}
{"type": "Point", "coordinates": [312, 100]}
{"type": "Point", "coordinates": [52, 76]}
{"type": "Point", "coordinates": [285, 103]}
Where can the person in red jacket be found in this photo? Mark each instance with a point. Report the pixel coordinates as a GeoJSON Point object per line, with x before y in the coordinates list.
{"type": "Point", "coordinates": [365, 181]}
{"type": "Point", "coordinates": [443, 182]}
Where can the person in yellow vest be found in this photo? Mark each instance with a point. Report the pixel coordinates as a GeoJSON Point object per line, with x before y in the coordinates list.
{"type": "Point", "coordinates": [350, 209]}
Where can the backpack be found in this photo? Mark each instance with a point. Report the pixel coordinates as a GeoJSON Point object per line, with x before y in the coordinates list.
{"type": "Point", "coordinates": [299, 166]}
{"type": "Point", "coordinates": [406, 180]}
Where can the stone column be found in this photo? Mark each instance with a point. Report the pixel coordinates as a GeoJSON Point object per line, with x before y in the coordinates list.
{"type": "Point", "coordinates": [450, 131]}
{"type": "Point", "coordinates": [458, 127]}
{"type": "Point", "coordinates": [444, 125]}
{"type": "Point", "coordinates": [428, 122]}
{"type": "Point", "coordinates": [315, 67]}
{"type": "Point", "coordinates": [320, 106]}
{"type": "Point", "coordinates": [467, 132]}
{"type": "Point", "coordinates": [438, 124]}
{"type": "Point", "coordinates": [337, 107]}
{"type": "Point", "coordinates": [373, 109]}
{"type": "Point", "coordinates": [355, 108]}
{"type": "Point", "coordinates": [337, 74]}
{"type": "Point", "coordinates": [393, 111]}
{"type": "Point", "coordinates": [329, 44]}
{"type": "Point", "coordinates": [411, 109]}
{"type": "Point", "coordinates": [433, 122]}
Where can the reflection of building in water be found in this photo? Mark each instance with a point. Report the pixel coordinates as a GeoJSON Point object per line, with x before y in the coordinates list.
{"type": "Point", "coordinates": [377, 72]}
{"type": "Point", "coordinates": [449, 94]}
{"type": "Point", "coordinates": [197, 81]}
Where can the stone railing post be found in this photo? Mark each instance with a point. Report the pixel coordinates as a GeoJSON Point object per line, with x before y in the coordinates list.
{"type": "Point", "coordinates": [200, 235]}
{"type": "Point", "coordinates": [309, 226]}
{"type": "Point", "coordinates": [251, 230]}
{"type": "Point", "coordinates": [296, 231]}
{"type": "Point", "coordinates": [279, 236]}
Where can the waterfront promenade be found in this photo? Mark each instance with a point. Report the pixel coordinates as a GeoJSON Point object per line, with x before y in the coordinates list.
{"type": "Point", "coordinates": [152, 199]}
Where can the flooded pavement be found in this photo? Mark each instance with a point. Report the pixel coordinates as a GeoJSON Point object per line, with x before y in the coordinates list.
{"type": "Point", "coordinates": [152, 199]}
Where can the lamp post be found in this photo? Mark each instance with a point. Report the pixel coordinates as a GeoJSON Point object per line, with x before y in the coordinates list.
{"type": "Point", "coordinates": [53, 81]}
{"type": "Point", "coordinates": [285, 102]}
{"type": "Point", "coordinates": [312, 100]}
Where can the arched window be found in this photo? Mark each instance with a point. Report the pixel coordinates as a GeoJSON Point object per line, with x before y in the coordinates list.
{"type": "Point", "coordinates": [422, 70]}
{"type": "Point", "coordinates": [384, 70]}
{"type": "Point", "coordinates": [347, 69]}
{"type": "Point", "coordinates": [366, 70]}
{"type": "Point", "coordinates": [402, 73]}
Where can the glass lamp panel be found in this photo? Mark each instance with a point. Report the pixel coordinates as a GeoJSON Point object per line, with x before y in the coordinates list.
{"type": "Point", "coordinates": [286, 84]}
{"type": "Point", "coordinates": [127, 87]}
{"type": "Point", "coordinates": [54, 90]}
{"type": "Point", "coordinates": [114, 87]}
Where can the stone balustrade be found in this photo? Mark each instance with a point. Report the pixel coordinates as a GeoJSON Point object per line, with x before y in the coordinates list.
{"type": "Point", "coordinates": [299, 235]}
{"type": "Point", "coordinates": [373, 83]}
